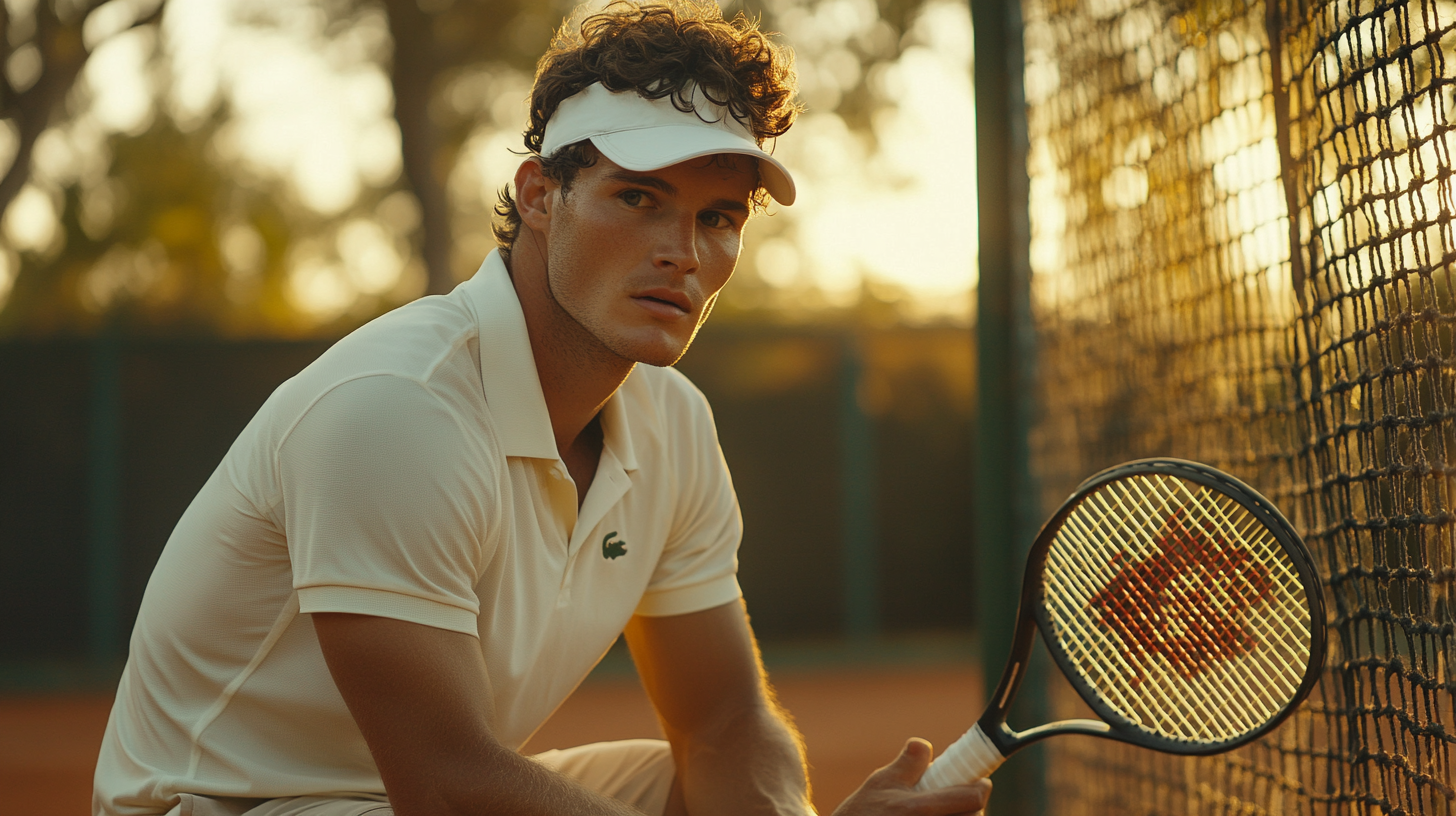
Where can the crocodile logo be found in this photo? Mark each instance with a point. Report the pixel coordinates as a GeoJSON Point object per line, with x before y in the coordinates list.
{"type": "Point", "coordinates": [613, 549]}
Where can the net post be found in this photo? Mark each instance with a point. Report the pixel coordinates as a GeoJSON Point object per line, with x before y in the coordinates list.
{"type": "Point", "coordinates": [103, 562]}
{"type": "Point", "coordinates": [857, 497]}
{"type": "Point", "coordinates": [1006, 508]}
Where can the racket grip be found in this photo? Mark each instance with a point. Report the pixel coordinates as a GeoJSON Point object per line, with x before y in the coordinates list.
{"type": "Point", "coordinates": [969, 758]}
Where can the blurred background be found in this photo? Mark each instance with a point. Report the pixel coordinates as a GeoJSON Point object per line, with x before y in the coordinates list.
{"type": "Point", "coordinates": [221, 189]}
{"type": "Point", "coordinates": [199, 196]}
{"type": "Point", "coordinates": [1222, 231]}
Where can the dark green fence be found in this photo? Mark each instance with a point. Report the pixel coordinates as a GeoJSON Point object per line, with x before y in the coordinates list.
{"type": "Point", "coordinates": [850, 452]}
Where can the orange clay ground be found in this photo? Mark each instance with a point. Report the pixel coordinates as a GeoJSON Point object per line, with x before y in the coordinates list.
{"type": "Point", "coordinates": [853, 719]}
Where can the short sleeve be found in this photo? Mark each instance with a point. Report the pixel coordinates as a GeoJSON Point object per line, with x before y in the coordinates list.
{"type": "Point", "coordinates": [384, 497]}
{"type": "Point", "coordinates": [698, 568]}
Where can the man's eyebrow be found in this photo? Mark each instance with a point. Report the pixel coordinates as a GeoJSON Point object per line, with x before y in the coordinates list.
{"type": "Point", "coordinates": [729, 205]}
{"type": "Point", "coordinates": [646, 181]}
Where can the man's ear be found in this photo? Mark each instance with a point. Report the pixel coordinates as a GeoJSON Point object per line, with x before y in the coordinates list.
{"type": "Point", "coordinates": [533, 195]}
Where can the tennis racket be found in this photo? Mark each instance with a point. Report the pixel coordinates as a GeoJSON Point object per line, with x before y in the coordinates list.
{"type": "Point", "coordinates": [1179, 603]}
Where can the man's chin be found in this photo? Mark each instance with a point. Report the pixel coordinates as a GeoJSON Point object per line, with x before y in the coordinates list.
{"type": "Point", "coordinates": [664, 359]}
{"type": "Point", "coordinates": [660, 352]}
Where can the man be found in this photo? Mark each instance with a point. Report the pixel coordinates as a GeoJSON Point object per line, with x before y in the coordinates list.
{"type": "Point", "coordinates": [424, 541]}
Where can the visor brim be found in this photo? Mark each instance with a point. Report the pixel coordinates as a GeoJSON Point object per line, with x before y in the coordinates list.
{"type": "Point", "coordinates": [653, 148]}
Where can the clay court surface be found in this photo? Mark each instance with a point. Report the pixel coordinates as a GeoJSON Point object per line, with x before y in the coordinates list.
{"type": "Point", "coordinates": [853, 719]}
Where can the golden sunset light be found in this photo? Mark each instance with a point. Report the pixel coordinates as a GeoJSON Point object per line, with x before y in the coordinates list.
{"type": "Point", "coordinates": [298, 102]}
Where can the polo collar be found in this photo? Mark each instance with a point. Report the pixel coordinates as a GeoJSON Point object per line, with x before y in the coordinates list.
{"type": "Point", "coordinates": [617, 430]}
{"type": "Point", "coordinates": [511, 384]}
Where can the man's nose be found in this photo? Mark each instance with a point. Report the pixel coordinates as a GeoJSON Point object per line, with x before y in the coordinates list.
{"type": "Point", "coordinates": [677, 246]}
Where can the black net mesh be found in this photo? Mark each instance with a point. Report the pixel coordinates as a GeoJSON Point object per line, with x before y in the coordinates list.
{"type": "Point", "coordinates": [1242, 242]}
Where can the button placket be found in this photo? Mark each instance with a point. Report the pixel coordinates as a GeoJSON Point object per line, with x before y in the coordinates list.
{"type": "Point", "coordinates": [562, 491]}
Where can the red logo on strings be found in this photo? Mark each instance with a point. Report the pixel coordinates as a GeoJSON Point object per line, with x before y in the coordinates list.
{"type": "Point", "coordinates": [1182, 601]}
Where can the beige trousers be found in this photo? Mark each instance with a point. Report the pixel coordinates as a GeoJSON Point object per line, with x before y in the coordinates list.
{"type": "Point", "coordinates": [636, 772]}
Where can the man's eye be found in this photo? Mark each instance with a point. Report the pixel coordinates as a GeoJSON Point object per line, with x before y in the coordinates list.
{"type": "Point", "coordinates": [715, 220]}
{"type": "Point", "coordinates": [632, 198]}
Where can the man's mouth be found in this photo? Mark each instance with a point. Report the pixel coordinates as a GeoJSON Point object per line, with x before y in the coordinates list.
{"type": "Point", "coordinates": [664, 301]}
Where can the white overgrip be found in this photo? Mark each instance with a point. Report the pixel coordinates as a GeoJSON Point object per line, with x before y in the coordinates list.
{"type": "Point", "coordinates": [969, 758]}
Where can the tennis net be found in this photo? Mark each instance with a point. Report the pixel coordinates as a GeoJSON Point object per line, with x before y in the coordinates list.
{"type": "Point", "coordinates": [1242, 249]}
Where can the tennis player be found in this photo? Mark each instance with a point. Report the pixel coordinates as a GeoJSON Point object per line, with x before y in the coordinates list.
{"type": "Point", "coordinates": [426, 539]}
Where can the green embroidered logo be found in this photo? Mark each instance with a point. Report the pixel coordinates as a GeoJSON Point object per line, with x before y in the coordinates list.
{"type": "Point", "coordinates": [613, 549]}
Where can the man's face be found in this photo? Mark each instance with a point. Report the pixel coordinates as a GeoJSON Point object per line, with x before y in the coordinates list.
{"type": "Point", "coordinates": [638, 258]}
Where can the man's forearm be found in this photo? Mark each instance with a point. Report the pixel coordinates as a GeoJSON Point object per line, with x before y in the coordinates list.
{"type": "Point", "coordinates": [421, 697]}
{"type": "Point", "coordinates": [502, 781]}
{"type": "Point", "coordinates": [752, 763]}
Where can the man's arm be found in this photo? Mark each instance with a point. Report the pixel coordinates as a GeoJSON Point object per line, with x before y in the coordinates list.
{"type": "Point", "coordinates": [736, 751]}
{"type": "Point", "coordinates": [421, 697]}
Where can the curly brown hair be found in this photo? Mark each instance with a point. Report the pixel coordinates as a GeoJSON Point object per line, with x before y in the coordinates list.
{"type": "Point", "coordinates": [658, 50]}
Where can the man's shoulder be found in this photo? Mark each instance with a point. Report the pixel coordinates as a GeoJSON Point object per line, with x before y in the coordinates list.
{"type": "Point", "coordinates": [430, 343]}
{"type": "Point", "coordinates": [412, 341]}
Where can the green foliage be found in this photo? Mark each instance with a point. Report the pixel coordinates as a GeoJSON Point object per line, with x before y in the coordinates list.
{"type": "Point", "coordinates": [145, 246]}
{"type": "Point", "coordinates": [155, 265]}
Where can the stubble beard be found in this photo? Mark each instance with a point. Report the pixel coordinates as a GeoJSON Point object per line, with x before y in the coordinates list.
{"type": "Point", "coordinates": [581, 343]}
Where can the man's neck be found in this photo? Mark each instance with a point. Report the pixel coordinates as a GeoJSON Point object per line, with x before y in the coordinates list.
{"type": "Point", "coordinates": [578, 374]}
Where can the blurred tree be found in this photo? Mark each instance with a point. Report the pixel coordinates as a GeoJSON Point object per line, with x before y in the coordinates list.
{"type": "Point", "coordinates": [42, 51]}
{"type": "Point", "coordinates": [158, 259]}
{"type": "Point", "coordinates": [433, 43]}
{"type": "Point", "coordinates": [190, 238]}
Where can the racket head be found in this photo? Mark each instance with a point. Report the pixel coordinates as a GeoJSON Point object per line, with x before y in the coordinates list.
{"type": "Point", "coordinates": [1180, 604]}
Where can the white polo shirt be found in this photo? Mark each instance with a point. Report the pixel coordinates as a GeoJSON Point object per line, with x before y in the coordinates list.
{"type": "Point", "coordinates": [411, 473]}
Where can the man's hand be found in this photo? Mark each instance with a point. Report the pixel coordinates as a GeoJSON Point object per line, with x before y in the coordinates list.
{"type": "Point", "coordinates": [891, 790]}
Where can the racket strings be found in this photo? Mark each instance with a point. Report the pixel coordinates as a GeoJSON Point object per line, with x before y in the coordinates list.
{"type": "Point", "coordinates": [1217, 565]}
{"type": "Point", "coordinates": [1178, 607]}
{"type": "Point", "coordinates": [1133, 697]}
{"type": "Point", "coordinates": [1186, 714]}
{"type": "Point", "coordinates": [1290, 606]}
{"type": "Point", "coordinates": [1244, 526]}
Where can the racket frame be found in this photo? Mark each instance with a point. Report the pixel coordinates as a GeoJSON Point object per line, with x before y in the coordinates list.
{"type": "Point", "coordinates": [1032, 616]}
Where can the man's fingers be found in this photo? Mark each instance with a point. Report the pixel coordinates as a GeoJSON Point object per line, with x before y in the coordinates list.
{"type": "Point", "coordinates": [908, 767]}
{"type": "Point", "coordinates": [955, 798]}
{"type": "Point", "coordinates": [891, 789]}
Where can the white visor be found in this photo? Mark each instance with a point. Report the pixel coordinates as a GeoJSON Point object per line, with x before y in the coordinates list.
{"type": "Point", "coordinates": [650, 134]}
